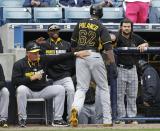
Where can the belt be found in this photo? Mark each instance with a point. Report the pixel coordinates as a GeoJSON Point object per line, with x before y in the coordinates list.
{"type": "Point", "coordinates": [125, 66]}
{"type": "Point", "coordinates": [93, 50]}
{"type": "Point", "coordinates": [89, 102]}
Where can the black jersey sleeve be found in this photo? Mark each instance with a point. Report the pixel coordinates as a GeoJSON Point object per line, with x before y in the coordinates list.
{"type": "Point", "coordinates": [55, 59]}
{"type": "Point", "coordinates": [139, 40]}
{"type": "Point", "coordinates": [105, 38]}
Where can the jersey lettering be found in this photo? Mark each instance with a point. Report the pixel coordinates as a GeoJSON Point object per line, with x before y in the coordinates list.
{"type": "Point", "coordinates": [90, 26]}
{"type": "Point", "coordinates": [87, 37]}
{"type": "Point", "coordinates": [53, 52]}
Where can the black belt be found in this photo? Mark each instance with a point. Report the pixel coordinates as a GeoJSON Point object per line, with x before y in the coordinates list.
{"type": "Point", "coordinates": [89, 102]}
{"type": "Point", "coordinates": [125, 66]}
{"type": "Point", "coordinates": [93, 50]}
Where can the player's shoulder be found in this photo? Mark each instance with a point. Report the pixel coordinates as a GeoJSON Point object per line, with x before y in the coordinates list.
{"type": "Point", "coordinates": [135, 35]}
{"type": "Point", "coordinates": [20, 62]}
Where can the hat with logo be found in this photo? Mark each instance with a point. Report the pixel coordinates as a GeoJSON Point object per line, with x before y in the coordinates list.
{"type": "Point", "coordinates": [32, 47]}
{"type": "Point", "coordinates": [53, 27]}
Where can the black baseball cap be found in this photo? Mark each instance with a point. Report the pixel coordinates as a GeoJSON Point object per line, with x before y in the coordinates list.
{"type": "Point", "coordinates": [142, 63]}
{"type": "Point", "coordinates": [32, 47]}
{"type": "Point", "coordinates": [53, 27]}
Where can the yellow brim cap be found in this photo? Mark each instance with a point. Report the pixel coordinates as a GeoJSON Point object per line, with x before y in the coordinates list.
{"type": "Point", "coordinates": [35, 50]}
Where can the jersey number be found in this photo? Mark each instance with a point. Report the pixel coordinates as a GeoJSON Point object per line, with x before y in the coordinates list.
{"type": "Point", "coordinates": [87, 38]}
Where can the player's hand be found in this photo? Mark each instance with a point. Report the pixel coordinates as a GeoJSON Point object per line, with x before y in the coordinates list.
{"type": "Point", "coordinates": [40, 40]}
{"type": "Point", "coordinates": [37, 3]}
{"type": "Point", "coordinates": [33, 3]}
{"type": "Point", "coordinates": [113, 70]}
{"type": "Point", "coordinates": [36, 76]}
{"type": "Point", "coordinates": [109, 3]}
{"type": "Point", "coordinates": [142, 47]}
{"type": "Point", "coordinates": [146, 104]}
{"type": "Point", "coordinates": [82, 54]}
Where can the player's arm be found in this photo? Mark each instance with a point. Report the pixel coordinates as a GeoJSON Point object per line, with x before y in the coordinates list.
{"type": "Point", "coordinates": [140, 43]}
{"type": "Point", "coordinates": [107, 45]}
{"type": "Point", "coordinates": [108, 50]}
{"type": "Point", "coordinates": [74, 38]}
{"type": "Point", "coordinates": [105, 3]}
{"type": "Point", "coordinates": [110, 56]}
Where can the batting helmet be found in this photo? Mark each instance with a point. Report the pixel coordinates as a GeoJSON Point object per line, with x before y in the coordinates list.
{"type": "Point", "coordinates": [53, 27]}
{"type": "Point", "coordinates": [96, 10]}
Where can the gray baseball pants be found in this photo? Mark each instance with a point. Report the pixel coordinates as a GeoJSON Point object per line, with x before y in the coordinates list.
{"type": "Point", "coordinates": [127, 84]}
{"type": "Point", "coordinates": [67, 83]}
{"type": "Point", "coordinates": [4, 102]}
{"type": "Point", "coordinates": [56, 92]}
{"type": "Point", "coordinates": [98, 107]}
{"type": "Point", "coordinates": [87, 114]}
{"type": "Point", "coordinates": [92, 66]}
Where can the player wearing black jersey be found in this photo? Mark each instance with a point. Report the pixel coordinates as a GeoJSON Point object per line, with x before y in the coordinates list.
{"type": "Point", "coordinates": [29, 77]}
{"type": "Point", "coordinates": [89, 34]}
{"type": "Point", "coordinates": [60, 73]}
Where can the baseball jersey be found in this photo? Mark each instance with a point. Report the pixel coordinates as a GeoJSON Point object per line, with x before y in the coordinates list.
{"type": "Point", "coordinates": [63, 69]}
{"type": "Point", "coordinates": [23, 70]}
{"type": "Point", "coordinates": [90, 34]}
{"type": "Point", "coordinates": [134, 41]}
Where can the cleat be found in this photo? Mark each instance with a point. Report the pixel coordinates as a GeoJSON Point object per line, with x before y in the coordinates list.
{"type": "Point", "coordinates": [4, 124]}
{"type": "Point", "coordinates": [22, 123]}
{"type": "Point", "coordinates": [133, 122]}
{"type": "Point", "coordinates": [62, 123]}
{"type": "Point", "coordinates": [74, 118]}
{"type": "Point", "coordinates": [120, 122]}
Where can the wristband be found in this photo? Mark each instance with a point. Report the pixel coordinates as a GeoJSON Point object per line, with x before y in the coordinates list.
{"type": "Point", "coordinates": [75, 53]}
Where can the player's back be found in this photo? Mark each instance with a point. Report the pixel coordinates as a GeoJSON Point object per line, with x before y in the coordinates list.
{"type": "Point", "coordinates": [89, 33]}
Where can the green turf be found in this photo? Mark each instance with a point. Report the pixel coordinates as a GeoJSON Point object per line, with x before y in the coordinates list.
{"type": "Point", "coordinates": [80, 129]}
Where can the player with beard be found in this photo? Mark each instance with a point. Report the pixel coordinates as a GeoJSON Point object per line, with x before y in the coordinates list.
{"type": "Point", "coordinates": [127, 81]}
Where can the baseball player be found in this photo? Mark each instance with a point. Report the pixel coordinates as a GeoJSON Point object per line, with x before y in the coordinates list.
{"type": "Point", "coordinates": [87, 35]}
{"type": "Point", "coordinates": [59, 73]}
{"type": "Point", "coordinates": [29, 77]}
{"type": "Point", "coordinates": [127, 81]}
{"type": "Point", "coordinates": [4, 100]}
{"type": "Point", "coordinates": [150, 84]}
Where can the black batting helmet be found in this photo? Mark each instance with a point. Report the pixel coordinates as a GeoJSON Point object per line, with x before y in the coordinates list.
{"type": "Point", "coordinates": [96, 10]}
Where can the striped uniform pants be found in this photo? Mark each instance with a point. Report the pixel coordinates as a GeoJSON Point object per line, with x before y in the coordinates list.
{"type": "Point", "coordinates": [127, 85]}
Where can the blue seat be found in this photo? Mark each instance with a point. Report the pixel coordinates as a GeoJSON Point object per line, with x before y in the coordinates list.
{"type": "Point", "coordinates": [11, 3]}
{"type": "Point", "coordinates": [54, 3]}
{"type": "Point", "coordinates": [113, 14]}
{"type": "Point", "coordinates": [16, 15]}
{"type": "Point", "coordinates": [155, 3]}
{"type": "Point", "coordinates": [74, 14]}
{"type": "Point", "coordinates": [48, 14]}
